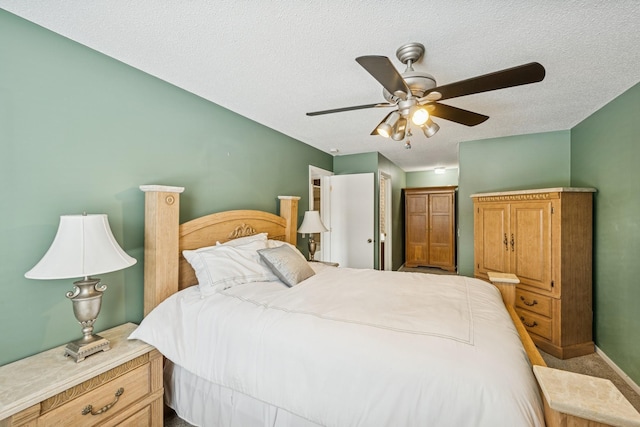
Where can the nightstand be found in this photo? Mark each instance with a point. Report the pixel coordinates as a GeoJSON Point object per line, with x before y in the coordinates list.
{"type": "Point", "coordinates": [122, 386]}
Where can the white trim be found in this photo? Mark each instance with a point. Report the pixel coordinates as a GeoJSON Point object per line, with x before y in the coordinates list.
{"type": "Point", "coordinates": [315, 172]}
{"type": "Point", "coordinates": [161, 188]}
{"type": "Point", "coordinates": [618, 371]}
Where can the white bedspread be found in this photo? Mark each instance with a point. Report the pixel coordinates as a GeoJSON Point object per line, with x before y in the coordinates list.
{"type": "Point", "coordinates": [351, 347]}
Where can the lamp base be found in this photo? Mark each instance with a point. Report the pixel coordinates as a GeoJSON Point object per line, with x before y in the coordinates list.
{"type": "Point", "coordinates": [86, 346]}
{"type": "Point", "coordinates": [312, 247]}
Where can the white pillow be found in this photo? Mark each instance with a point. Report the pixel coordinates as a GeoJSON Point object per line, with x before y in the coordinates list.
{"type": "Point", "coordinates": [260, 237]}
{"type": "Point", "coordinates": [287, 264]}
{"type": "Point", "coordinates": [223, 266]}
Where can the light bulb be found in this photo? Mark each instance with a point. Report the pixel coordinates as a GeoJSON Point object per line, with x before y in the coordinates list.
{"type": "Point", "coordinates": [384, 130]}
{"type": "Point", "coordinates": [420, 116]}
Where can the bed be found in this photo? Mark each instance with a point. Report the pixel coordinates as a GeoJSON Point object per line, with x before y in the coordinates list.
{"type": "Point", "coordinates": [343, 347]}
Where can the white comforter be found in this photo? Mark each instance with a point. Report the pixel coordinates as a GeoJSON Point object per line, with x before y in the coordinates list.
{"type": "Point", "coordinates": [351, 347]}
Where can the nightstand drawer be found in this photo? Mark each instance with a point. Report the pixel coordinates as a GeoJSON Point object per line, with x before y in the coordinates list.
{"type": "Point", "coordinates": [535, 323]}
{"type": "Point", "coordinates": [105, 400]}
{"type": "Point", "coordinates": [531, 301]}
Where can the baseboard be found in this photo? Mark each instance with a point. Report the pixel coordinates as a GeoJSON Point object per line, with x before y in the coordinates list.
{"type": "Point", "coordinates": [618, 371]}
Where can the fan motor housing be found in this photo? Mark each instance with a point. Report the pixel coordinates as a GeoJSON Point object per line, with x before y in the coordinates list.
{"type": "Point", "coordinates": [419, 82]}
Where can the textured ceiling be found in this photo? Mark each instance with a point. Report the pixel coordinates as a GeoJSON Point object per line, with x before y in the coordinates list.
{"type": "Point", "coordinates": [273, 61]}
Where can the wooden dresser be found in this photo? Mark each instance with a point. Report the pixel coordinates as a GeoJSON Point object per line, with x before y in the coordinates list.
{"type": "Point", "coordinates": [430, 227]}
{"type": "Point", "coordinates": [544, 237]}
{"type": "Point", "coordinates": [122, 386]}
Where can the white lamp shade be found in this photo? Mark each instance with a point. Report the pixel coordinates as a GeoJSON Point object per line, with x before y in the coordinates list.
{"type": "Point", "coordinates": [83, 246]}
{"type": "Point", "coordinates": [311, 223]}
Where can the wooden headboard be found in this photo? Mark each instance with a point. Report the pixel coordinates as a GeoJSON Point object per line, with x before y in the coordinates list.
{"type": "Point", "coordinates": [165, 269]}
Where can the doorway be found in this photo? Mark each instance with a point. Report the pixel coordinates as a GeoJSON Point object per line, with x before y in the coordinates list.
{"type": "Point", "coordinates": [319, 201]}
{"type": "Point", "coordinates": [385, 222]}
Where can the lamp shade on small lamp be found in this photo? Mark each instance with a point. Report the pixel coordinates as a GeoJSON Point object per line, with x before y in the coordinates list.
{"type": "Point", "coordinates": [82, 247]}
{"type": "Point", "coordinates": [311, 223]}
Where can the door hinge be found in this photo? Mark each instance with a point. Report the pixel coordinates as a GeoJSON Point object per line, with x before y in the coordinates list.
{"type": "Point", "coordinates": [552, 284]}
{"type": "Point", "coordinates": [552, 210]}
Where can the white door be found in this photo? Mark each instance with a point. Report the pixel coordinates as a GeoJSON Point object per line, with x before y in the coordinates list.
{"type": "Point", "coordinates": [352, 220]}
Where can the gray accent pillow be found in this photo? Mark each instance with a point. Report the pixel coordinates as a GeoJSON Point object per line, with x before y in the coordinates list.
{"type": "Point", "coordinates": [286, 264]}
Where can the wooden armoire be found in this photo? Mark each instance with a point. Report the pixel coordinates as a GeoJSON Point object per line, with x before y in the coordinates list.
{"type": "Point", "coordinates": [430, 236]}
{"type": "Point", "coordinates": [544, 237]}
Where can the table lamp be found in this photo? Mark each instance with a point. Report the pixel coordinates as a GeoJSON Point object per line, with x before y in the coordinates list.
{"type": "Point", "coordinates": [311, 223]}
{"type": "Point", "coordinates": [83, 246]}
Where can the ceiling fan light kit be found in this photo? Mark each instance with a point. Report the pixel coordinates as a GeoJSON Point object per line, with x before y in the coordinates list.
{"type": "Point", "coordinates": [419, 116]}
{"type": "Point", "coordinates": [399, 129]}
{"type": "Point", "coordinates": [430, 128]}
{"type": "Point", "coordinates": [415, 94]}
{"type": "Point", "coordinates": [386, 127]}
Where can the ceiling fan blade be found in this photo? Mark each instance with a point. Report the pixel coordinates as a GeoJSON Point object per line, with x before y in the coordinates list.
{"type": "Point", "coordinates": [458, 115]}
{"type": "Point", "coordinates": [385, 73]}
{"type": "Point", "coordinates": [356, 107]}
{"type": "Point", "coordinates": [510, 77]}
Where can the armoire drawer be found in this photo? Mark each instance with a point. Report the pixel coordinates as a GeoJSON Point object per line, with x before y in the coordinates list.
{"type": "Point", "coordinates": [531, 301]}
{"type": "Point", "coordinates": [535, 323]}
{"type": "Point", "coordinates": [105, 400]}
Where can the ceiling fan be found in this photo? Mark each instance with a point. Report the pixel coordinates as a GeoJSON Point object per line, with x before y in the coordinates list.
{"type": "Point", "coordinates": [415, 93]}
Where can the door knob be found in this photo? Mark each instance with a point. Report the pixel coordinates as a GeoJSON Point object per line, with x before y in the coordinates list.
{"type": "Point", "coordinates": [369, 240]}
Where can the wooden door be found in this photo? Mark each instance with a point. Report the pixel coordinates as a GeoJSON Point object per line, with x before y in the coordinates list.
{"type": "Point", "coordinates": [441, 230]}
{"type": "Point", "coordinates": [417, 223]}
{"type": "Point", "coordinates": [491, 231]}
{"type": "Point", "coordinates": [530, 243]}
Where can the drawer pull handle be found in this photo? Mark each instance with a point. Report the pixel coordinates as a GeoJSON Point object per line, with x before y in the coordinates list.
{"type": "Point", "coordinates": [89, 408]}
{"type": "Point", "coordinates": [530, 304]}
{"type": "Point", "coordinates": [530, 325]}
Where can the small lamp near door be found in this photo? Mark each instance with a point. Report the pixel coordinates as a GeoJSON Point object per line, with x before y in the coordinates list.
{"type": "Point", "coordinates": [311, 223]}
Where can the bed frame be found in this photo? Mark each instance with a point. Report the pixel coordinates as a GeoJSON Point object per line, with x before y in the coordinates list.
{"type": "Point", "coordinates": [166, 271]}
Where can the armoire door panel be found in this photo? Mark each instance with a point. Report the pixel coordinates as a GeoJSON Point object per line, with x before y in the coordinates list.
{"type": "Point", "coordinates": [416, 239]}
{"type": "Point", "coordinates": [530, 244]}
{"type": "Point", "coordinates": [416, 205]}
{"type": "Point", "coordinates": [493, 233]}
{"type": "Point", "coordinates": [440, 203]}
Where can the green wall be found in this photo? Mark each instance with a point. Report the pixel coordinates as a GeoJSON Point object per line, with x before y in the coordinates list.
{"type": "Point", "coordinates": [510, 163]}
{"type": "Point", "coordinates": [429, 178]}
{"type": "Point", "coordinates": [79, 132]}
{"type": "Point", "coordinates": [604, 154]}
